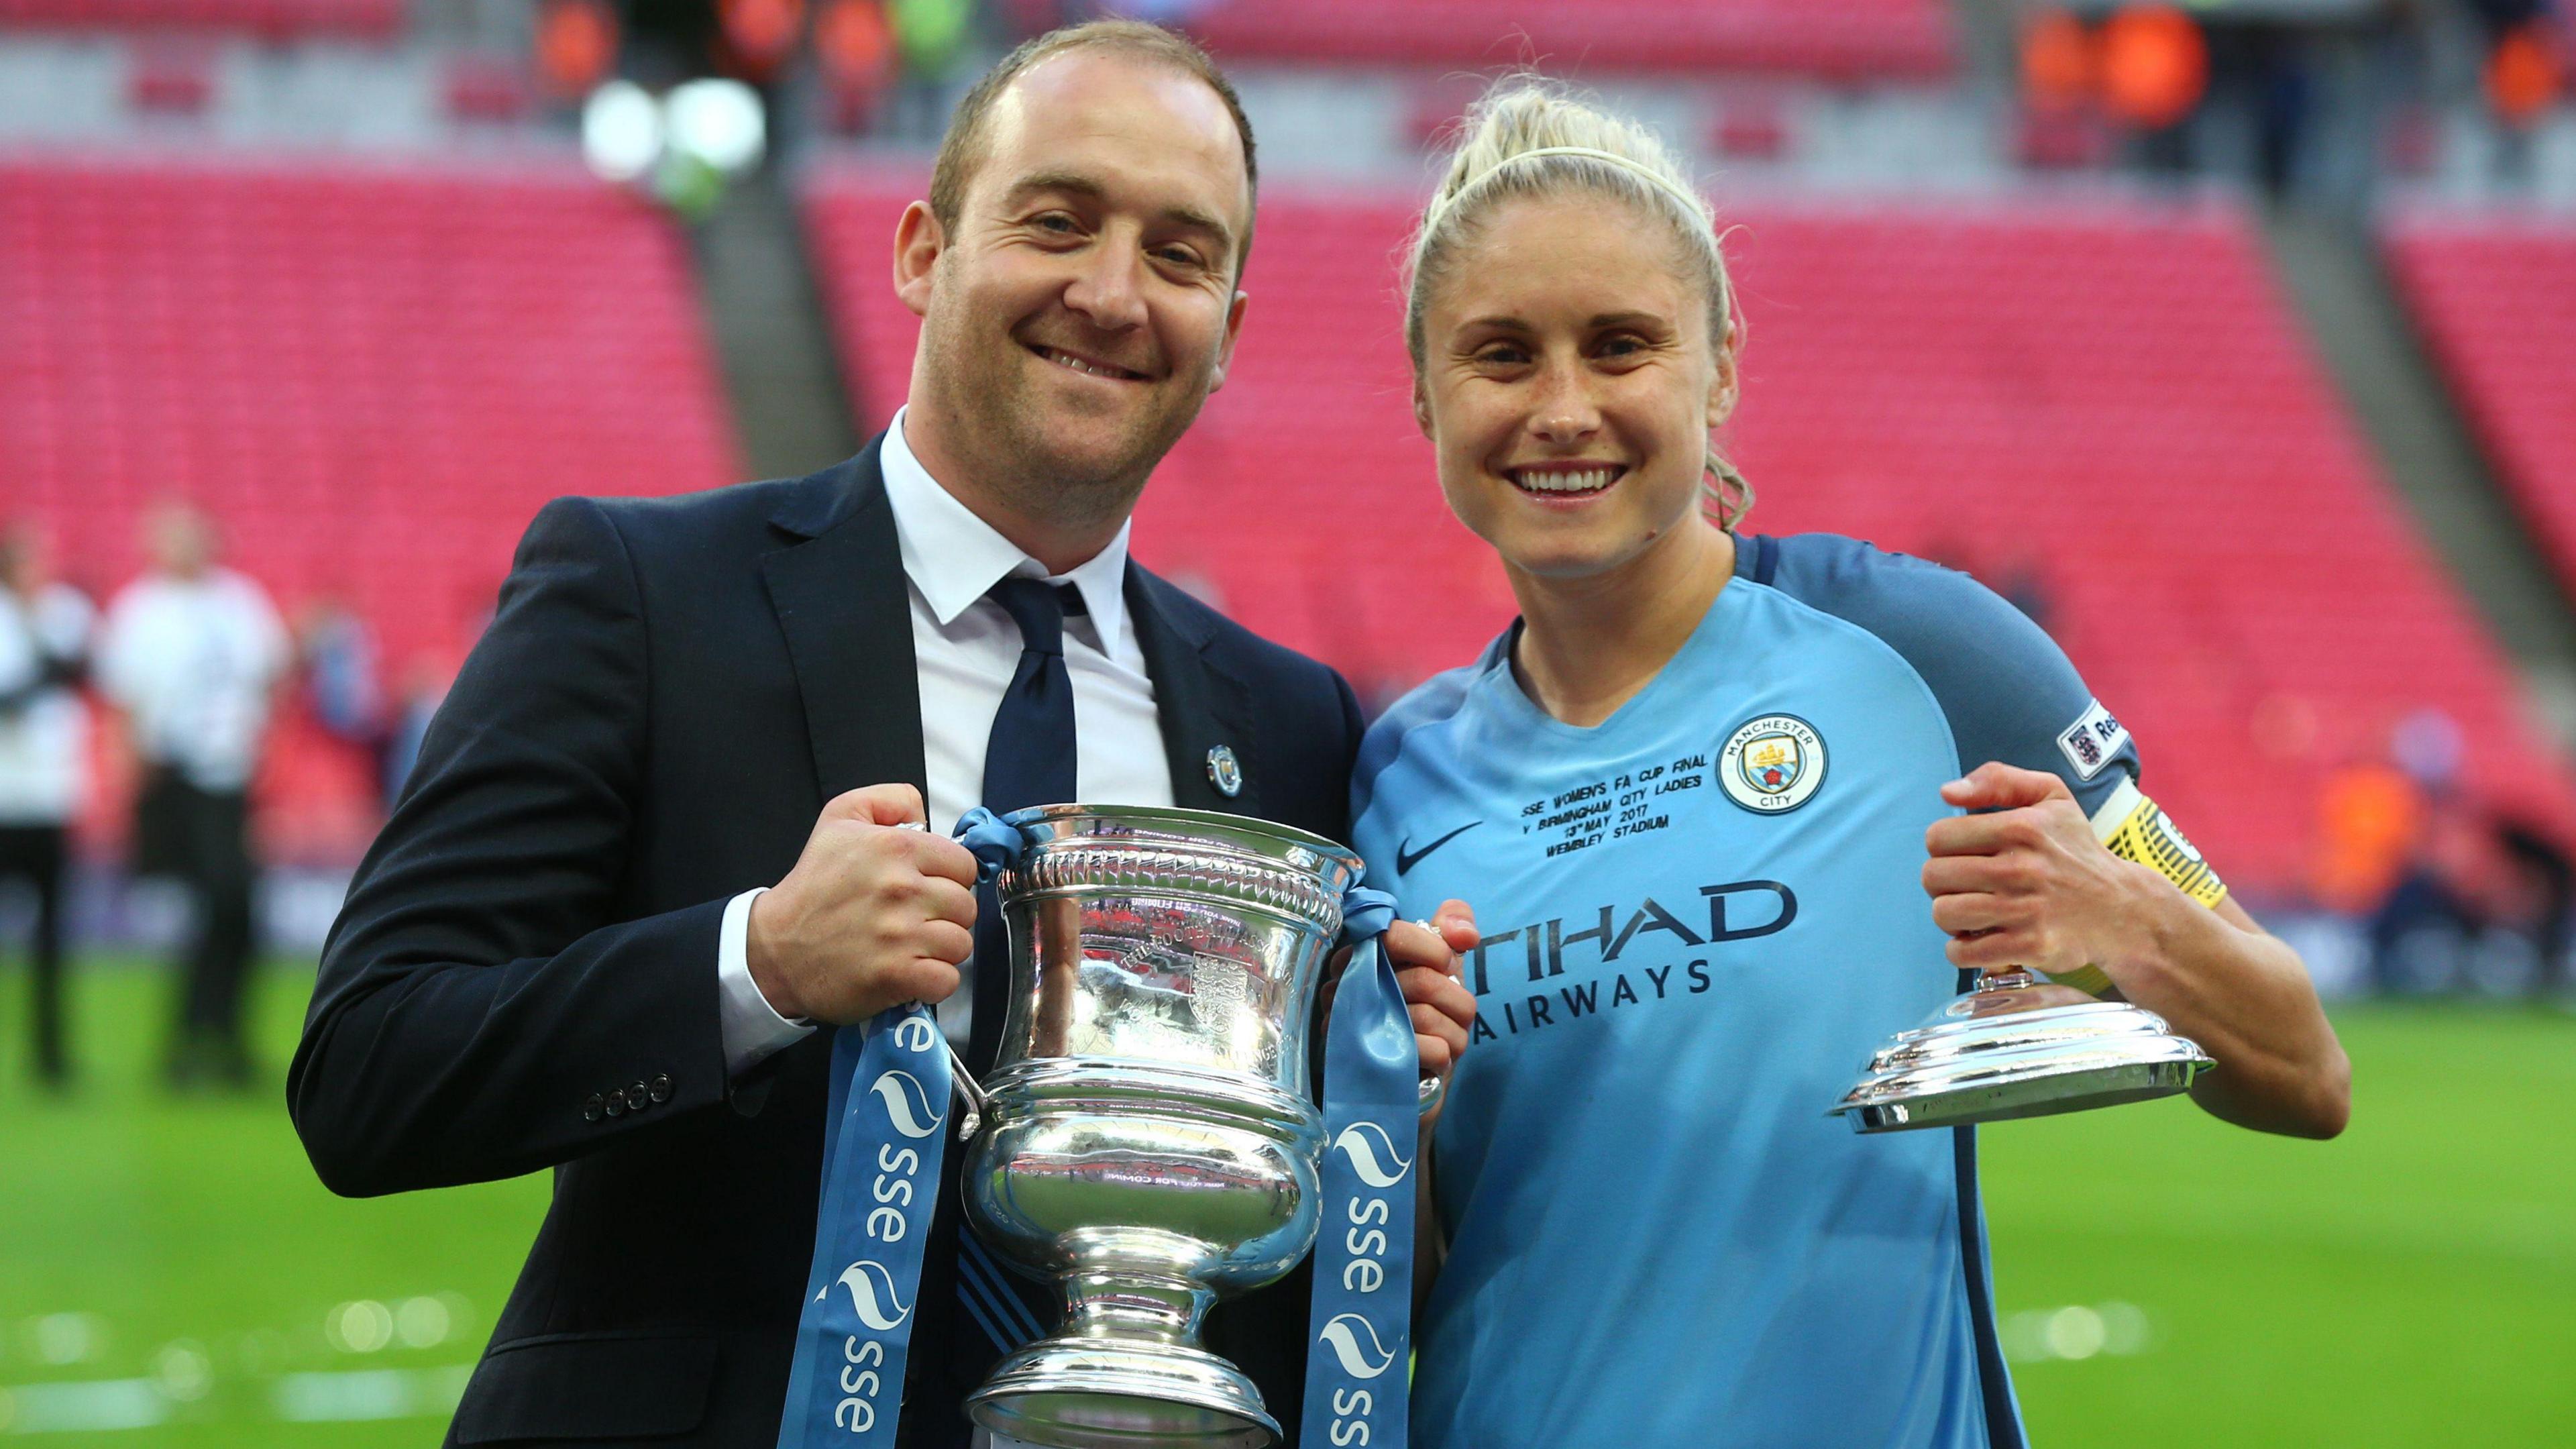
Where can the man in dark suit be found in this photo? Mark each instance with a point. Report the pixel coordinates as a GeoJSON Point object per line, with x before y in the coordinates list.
{"type": "Point", "coordinates": [648, 848]}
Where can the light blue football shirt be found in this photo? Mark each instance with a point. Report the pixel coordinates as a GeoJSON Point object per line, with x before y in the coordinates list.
{"type": "Point", "coordinates": [1700, 917]}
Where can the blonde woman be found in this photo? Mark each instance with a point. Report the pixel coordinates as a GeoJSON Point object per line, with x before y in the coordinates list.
{"type": "Point", "coordinates": [1691, 791]}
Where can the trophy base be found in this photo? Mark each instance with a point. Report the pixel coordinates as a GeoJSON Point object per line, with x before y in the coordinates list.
{"type": "Point", "coordinates": [1091, 1393]}
{"type": "Point", "coordinates": [2067, 1092]}
{"type": "Point", "coordinates": [2016, 1047]}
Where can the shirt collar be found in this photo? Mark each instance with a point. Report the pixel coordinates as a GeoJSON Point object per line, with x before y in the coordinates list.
{"type": "Point", "coordinates": [955, 558]}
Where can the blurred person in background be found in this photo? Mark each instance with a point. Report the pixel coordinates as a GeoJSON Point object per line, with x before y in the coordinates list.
{"type": "Point", "coordinates": [192, 653]}
{"type": "Point", "coordinates": [44, 767]}
{"type": "Point", "coordinates": [2420, 936]}
{"type": "Point", "coordinates": [343, 687]}
{"type": "Point", "coordinates": [855, 47]}
{"type": "Point", "coordinates": [338, 653]}
{"type": "Point", "coordinates": [2426, 921]}
{"type": "Point", "coordinates": [2370, 826]}
{"type": "Point", "coordinates": [424, 688]}
{"type": "Point", "coordinates": [1787, 727]}
{"type": "Point", "coordinates": [931, 37]}
{"type": "Point", "coordinates": [2482, 910]}
{"type": "Point", "coordinates": [2541, 902]}
{"type": "Point", "coordinates": [2521, 77]}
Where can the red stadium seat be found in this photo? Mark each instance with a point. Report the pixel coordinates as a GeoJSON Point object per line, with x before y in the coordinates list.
{"type": "Point", "coordinates": [2111, 398]}
{"type": "Point", "coordinates": [486, 87]}
{"type": "Point", "coordinates": [1843, 40]}
{"type": "Point", "coordinates": [2497, 301]}
{"type": "Point", "coordinates": [372, 377]}
{"type": "Point", "coordinates": [171, 79]}
{"type": "Point", "coordinates": [270, 19]}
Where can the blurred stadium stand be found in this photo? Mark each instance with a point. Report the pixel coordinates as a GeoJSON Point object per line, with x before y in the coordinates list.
{"type": "Point", "coordinates": [2495, 297]}
{"type": "Point", "coordinates": [1849, 38]}
{"type": "Point", "coordinates": [372, 375]}
{"type": "Point", "coordinates": [2101, 406]}
{"type": "Point", "coordinates": [271, 19]}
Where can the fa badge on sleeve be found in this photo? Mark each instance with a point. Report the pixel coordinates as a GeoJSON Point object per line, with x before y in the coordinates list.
{"type": "Point", "coordinates": [2092, 740]}
{"type": "Point", "coordinates": [1772, 764]}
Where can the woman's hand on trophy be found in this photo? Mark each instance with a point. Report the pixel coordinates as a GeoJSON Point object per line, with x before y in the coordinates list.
{"type": "Point", "coordinates": [1429, 958]}
{"type": "Point", "coordinates": [2026, 883]}
{"type": "Point", "coordinates": [873, 915]}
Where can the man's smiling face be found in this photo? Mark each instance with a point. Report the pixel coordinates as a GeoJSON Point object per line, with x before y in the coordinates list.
{"type": "Point", "coordinates": [1085, 305]}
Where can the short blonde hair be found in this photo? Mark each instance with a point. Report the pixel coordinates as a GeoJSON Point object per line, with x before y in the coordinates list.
{"type": "Point", "coordinates": [1528, 137]}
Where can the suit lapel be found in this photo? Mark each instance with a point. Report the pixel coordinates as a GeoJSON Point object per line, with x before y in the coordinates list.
{"type": "Point", "coordinates": [841, 601]}
{"type": "Point", "coordinates": [1202, 705]}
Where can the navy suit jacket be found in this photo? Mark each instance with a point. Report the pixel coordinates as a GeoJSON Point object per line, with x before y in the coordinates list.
{"type": "Point", "coordinates": [524, 973]}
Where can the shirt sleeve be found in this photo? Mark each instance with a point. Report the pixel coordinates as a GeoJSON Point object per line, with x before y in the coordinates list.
{"type": "Point", "coordinates": [753, 1029]}
{"type": "Point", "coordinates": [2018, 699]}
{"type": "Point", "coordinates": [2008, 691]}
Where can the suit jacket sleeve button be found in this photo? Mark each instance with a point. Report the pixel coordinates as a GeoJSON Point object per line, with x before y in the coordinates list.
{"type": "Point", "coordinates": [661, 1089]}
{"type": "Point", "coordinates": [592, 1109]}
{"type": "Point", "coordinates": [617, 1104]}
{"type": "Point", "coordinates": [637, 1099]}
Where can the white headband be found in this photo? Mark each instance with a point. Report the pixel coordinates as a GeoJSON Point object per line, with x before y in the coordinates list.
{"type": "Point", "coordinates": [1690, 202]}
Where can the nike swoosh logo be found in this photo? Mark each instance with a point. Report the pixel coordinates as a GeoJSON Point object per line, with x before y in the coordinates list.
{"type": "Point", "coordinates": [1406, 860]}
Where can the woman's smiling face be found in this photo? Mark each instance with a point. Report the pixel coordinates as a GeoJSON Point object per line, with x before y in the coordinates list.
{"type": "Point", "coordinates": [1568, 383]}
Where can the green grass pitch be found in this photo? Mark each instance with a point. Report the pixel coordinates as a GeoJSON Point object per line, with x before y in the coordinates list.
{"type": "Point", "coordinates": [171, 1274]}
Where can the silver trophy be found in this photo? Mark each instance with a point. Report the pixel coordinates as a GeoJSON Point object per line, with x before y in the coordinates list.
{"type": "Point", "coordinates": [1148, 1141]}
{"type": "Point", "coordinates": [2020, 1046]}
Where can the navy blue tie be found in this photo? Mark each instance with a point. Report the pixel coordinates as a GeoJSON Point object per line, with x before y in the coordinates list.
{"type": "Point", "coordinates": [1028, 760]}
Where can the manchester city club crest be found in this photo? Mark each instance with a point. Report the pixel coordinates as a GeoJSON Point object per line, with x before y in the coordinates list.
{"type": "Point", "coordinates": [1225, 772]}
{"type": "Point", "coordinates": [1772, 763]}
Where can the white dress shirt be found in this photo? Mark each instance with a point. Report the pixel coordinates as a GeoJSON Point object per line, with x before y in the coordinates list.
{"type": "Point", "coordinates": [965, 650]}
{"type": "Point", "coordinates": [193, 662]}
{"type": "Point", "coordinates": [44, 744]}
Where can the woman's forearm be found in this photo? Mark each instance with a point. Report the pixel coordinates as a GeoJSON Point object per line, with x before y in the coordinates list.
{"type": "Point", "coordinates": [2244, 995]}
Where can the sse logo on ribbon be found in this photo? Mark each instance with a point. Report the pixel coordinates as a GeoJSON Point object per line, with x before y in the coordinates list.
{"type": "Point", "coordinates": [907, 1104]}
{"type": "Point", "coordinates": [1363, 1303]}
{"type": "Point", "coordinates": [1367, 1145]}
{"type": "Point", "coordinates": [871, 1286]}
{"type": "Point", "coordinates": [881, 1151]}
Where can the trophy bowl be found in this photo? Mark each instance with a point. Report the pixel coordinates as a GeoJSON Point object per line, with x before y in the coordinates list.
{"type": "Point", "coordinates": [2018, 1046]}
{"type": "Point", "coordinates": [1150, 1144]}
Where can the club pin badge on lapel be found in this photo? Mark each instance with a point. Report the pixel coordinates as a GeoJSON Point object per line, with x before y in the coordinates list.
{"type": "Point", "coordinates": [1225, 771]}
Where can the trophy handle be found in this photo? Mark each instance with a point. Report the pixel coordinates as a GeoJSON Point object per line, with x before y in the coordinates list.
{"type": "Point", "coordinates": [970, 1093]}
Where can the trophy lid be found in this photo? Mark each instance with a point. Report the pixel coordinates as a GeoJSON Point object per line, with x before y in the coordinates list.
{"type": "Point", "coordinates": [1980, 1060]}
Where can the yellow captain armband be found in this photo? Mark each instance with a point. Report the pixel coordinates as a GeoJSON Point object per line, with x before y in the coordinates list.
{"type": "Point", "coordinates": [2135, 828]}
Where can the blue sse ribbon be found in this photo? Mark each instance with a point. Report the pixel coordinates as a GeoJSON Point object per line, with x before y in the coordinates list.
{"type": "Point", "coordinates": [885, 1131]}
{"type": "Point", "coordinates": [1358, 1368]}
{"type": "Point", "coordinates": [883, 1136]}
